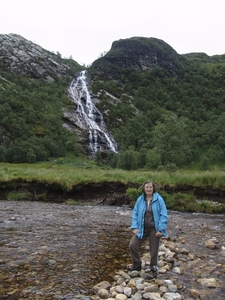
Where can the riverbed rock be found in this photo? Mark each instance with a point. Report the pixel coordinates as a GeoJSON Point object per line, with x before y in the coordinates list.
{"type": "Point", "coordinates": [172, 296]}
{"type": "Point", "coordinates": [194, 293]}
{"type": "Point", "coordinates": [101, 285]}
{"type": "Point", "coordinates": [209, 282]}
{"type": "Point", "coordinates": [103, 293]}
{"type": "Point", "coordinates": [211, 243]}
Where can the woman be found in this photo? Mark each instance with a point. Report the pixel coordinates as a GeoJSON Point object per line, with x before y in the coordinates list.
{"type": "Point", "coordinates": [149, 220]}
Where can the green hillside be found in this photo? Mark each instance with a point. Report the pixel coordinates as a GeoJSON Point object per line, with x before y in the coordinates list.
{"type": "Point", "coordinates": [31, 119]}
{"type": "Point", "coordinates": [167, 113]}
{"type": "Point", "coordinates": [165, 110]}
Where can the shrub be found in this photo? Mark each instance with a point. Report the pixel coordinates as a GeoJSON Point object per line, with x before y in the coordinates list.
{"type": "Point", "coordinates": [210, 207]}
{"type": "Point", "coordinates": [183, 202]}
{"type": "Point", "coordinates": [133, 194]}
{"type": "Point", "coordinates": [19, 195]}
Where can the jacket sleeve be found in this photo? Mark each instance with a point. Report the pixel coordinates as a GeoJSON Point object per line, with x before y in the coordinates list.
{"type": "Point", "coordinates": [163, 217]}
{"type": "Point", "coordinates": [134, 224]}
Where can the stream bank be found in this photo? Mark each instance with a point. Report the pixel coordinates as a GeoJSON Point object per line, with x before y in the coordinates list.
{"type": "Point", "coordinates": [110, 193]}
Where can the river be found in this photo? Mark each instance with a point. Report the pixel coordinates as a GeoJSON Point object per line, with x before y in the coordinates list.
{"type": "Point", "coordinates": [63, 250]}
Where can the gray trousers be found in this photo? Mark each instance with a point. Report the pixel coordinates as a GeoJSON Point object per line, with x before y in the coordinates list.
{"type": "Point", "coordinates": [135, 245]}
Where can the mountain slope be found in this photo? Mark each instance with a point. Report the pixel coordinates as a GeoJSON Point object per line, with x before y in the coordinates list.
{"type": "Point", "coordinates": [33, 84]}
{"type": "Point", "coordinates": [187, 86]}
{"type": "Point", "coordinates": [136, 85]}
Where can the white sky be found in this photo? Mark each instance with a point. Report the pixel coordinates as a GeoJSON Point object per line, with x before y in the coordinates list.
{"type": "Point", "coordinates": [84, 29]}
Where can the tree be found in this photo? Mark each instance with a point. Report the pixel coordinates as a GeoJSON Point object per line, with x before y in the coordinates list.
{"type": "Point", "coordinates": [127, 160]}
{"type": "Point", "coordinates": [171, 140]}
{"type": "Point", "coordinates": [153, 159]}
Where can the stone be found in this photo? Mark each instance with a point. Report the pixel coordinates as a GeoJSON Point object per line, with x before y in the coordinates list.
{"type": "Point", "coordinates": [152, 296]}
{"type": "Point", "coordinates": [119, 289]}
{"type": "Point", "coordinates": [209, 282]}
{"type": "Point", "coordinates": [103, 293]}
{"type": "Point", "coordinates": [151, 288]}
{"type": "Point", "coordinates": [172, 288]}
{"type": "Point", "coordinates": [140, 286]}
{"type": "Point", "coordinates": [120, 280]}
{"type": "Point", "coordinates": [127, 291]}
{"type": "Point", "coordinates": [137, 296]}
{"type": "Point", "coordinates": [171, 296]}
{"type": "Point", "coordinates": [176, 270]}
{"type": "Point", "coordinates": [210, 244]}
{"type": "Point", "coordinates": [101, 285]}
{"type": "Point", "coordinates": [121, 297]}
{"type": "Point", "coordinates": [194, 293]}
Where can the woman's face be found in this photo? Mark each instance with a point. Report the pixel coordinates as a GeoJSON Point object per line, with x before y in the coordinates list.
{"type": "Point", "coordinates": [148, 188]}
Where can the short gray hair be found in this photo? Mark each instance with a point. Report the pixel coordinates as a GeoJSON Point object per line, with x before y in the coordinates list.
{"type": "Point", "coordinates": [146, 182]}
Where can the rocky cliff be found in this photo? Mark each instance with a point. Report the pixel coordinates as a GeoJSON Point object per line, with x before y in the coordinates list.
{"type": "Point", "coordinates": [26, 58]}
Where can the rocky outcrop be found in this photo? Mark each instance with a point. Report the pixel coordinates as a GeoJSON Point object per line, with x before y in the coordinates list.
{"type": "Point", "coordinates": [141, 54]}
{"type": "Point", "coordinates": [26, 58]}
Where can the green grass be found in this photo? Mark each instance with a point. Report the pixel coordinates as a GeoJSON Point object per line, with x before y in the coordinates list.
{"type": "Point", "coordinates": [67, 175]}
{"type": "Point", "coordinates": [17, 196]}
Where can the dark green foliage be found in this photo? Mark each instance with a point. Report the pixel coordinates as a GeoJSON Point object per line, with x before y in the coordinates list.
{"type": "Point", "coordinates": [212, 208]}
{"type": "Point", "coordinates": [133, 194]}
{"type": "Point", "coordinates": [165, 110]}
{"type": "Point", "coordinates": [189, 97]}
{"type": "Point", "coordinates": [181, 202]}
{"type": "Point", "coordinates": [171, 139]}
{"type": "Point", "coordinates": [31, 120]}
{"type": "Point", "coordinates": [19, 195]}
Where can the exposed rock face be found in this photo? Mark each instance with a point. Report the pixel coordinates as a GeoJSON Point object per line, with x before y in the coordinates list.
{"type": "Point", "coordinates": [26, 58]}
{"type": "Point", "coordinates": [141, 54]}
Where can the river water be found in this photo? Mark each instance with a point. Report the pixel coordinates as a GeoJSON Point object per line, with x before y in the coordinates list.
{"type": "Point", "coordinates": [51, 249]}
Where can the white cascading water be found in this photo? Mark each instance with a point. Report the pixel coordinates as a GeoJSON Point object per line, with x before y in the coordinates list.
{"type": "Point", "coordinates": [88, 117]}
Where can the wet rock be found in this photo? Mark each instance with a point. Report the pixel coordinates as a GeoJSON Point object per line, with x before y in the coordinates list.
{"type": "Point", "coordinates": [209, 282]}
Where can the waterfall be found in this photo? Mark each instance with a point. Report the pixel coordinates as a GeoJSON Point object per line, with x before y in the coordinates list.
{"type": "Point", "coordinates": [89, 118]}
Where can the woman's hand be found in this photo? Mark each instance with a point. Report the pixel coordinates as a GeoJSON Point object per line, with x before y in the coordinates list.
{"type": "Point", "coordinates": [135, 231]}
{"type": "Point", "coordinates": [158, 234]}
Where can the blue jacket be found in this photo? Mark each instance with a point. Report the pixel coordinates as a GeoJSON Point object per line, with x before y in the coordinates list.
{"type": "Point", "coordinates": [159, 213]}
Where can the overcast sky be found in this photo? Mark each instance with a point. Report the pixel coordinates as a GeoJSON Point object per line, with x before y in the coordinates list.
{"type": "Point", "coordinates": [84, 29]}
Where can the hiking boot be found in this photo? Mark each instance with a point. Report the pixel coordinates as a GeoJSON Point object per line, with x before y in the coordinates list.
{"type": "Point", "coordinates": [133, 268]}
{"type": "Point", "coordinates": [152, 274]}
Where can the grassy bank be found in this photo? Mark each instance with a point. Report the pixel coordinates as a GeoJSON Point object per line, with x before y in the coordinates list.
{"type": "Point", "coordinates": [65, 176]}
